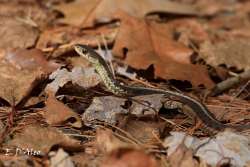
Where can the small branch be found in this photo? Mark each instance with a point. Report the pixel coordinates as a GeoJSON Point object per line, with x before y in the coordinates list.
{"type": "Point", "coordinates": [230, 82]}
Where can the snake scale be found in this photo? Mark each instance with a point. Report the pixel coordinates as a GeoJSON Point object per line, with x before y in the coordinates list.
{"type": "Point", "coordinates": [119, 89]}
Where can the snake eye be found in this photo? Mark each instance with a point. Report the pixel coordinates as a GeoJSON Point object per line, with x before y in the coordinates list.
{"type": "Point", "coordinates": [84, 51]}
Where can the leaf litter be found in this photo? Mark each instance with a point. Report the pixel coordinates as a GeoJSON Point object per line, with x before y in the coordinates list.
{"type": "Point", "coordinates": [55, 111]}
{"type": "Point", "coordinates": [158, 48]}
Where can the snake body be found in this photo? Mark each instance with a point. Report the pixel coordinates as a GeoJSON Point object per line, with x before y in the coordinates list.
{"type": "Point", "coordinates": [119, 89]}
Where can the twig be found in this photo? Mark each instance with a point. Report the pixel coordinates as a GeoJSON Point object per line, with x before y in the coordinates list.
{"type": "Point", "coordinates": [108, 55]}
{"type": "Point", "coordinates": [230, 82]}
{"type": "Point", "coordinates": [242, 89]}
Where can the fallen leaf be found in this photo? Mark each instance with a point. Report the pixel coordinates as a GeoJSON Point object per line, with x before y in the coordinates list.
{"type": "Point", "coordinates": [231, 52]}
{"type": "Point", "coordinates": [147, 104]}
{"type": "Point", "coordinates": [17, 84]}
{"type": "Point", "coordinates": [30, 60]}
{"type": "Point", "coordinates": [149, 43]}
{"type": "Point", "coordinates": [75, 12]}
{"type": "Point", "coordinates": [214, 7]}
{"type": "Point", "coordinates": [226, 147]}
{"type": "Point", "coordinates": [230, 22]}
{"type": "Point", "coordinates": [106, 109]}
{"type": "Point", "coordinates": [61, 158]}
{"type": "Point", "coordinates": [60, 40]}
{"type": "Point", "coordinates": [146, 132]}
{"type": "Point", "coordinates": [56, 36]}
{"type": "Point", "coordinates": [18, 161]}
{"type": "Point", "coordinates": [234, 23]}
{"type": "Point", "coordinates": [105, 10]}
{"type": "Point", "coordinates": [183, 157]}
{"type": "Point", "coordinates": [16, 34]}
{"type": "Point", "coordinates": [83, 159]}
{"type": "Point", "coordinates": [188, 30]}
{"type": "Point", "coordinates": [84, 77]}
{"type": "Point", "coordinates": [129, 158]}
{"type": "Point", "coordinates": [109, 108]}
{"type": "Point", "coordinates": [57, 113]}
{"type": "Point", "coordinates": [30, 13]}
{"type": "Point", "coordinates": [42, 139]}
{"type": "Point", "coordinates": [106, 141]}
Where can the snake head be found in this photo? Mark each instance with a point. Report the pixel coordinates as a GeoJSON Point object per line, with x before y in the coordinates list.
{"type": "Point", "coordinates": [87, 52]}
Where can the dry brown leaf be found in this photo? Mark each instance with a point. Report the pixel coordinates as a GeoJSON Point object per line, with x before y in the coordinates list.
{"type": "Point", "coordinates": [18, 161]}
{"type": "Point", "coordinates": [226, 148]}
{"type": "Point", "coordinates": [106, 141]}
{"type": "Point", "coordinates": [57, 113]}
{"type": "Point", "coordinates": [104, 10]}
{"type": "Point", "coordinates": [61, 158]}
{"type": "Point", "coordinates": [56, 36]}
{"type": "Point", "coordinates": [30, 60]}
{"type": "Point", "coordinates": [84, 77]}
{"type": "Point", "coordinates": [20, 71]}
{"type": "Point", "coordinates": [66, 36]}
{"type": "Point", "coordinates": [147, 104]}
{"type": "Point", "coordinates": [16, 34]}
{"type": "Point", "coordinates": [69, 36]}
{"type": "Point", "coordinates": [89, 12]}
{"type": "Point", "coordinates": [16, 84]}
{"type": "Point", "coordinates": [150, 43]}
{"type": "Point", "coordinates": [129, 158]}
{"type": "Point", "coordinates": [242, 32]}
{"type": "Point", "coordinates": [228, 22]}
{"type": "Point", "coordinates": [83, 159]}
{"type": "Point", "coordinates": [231, 52]}
{"type": "Point", "coordinates": [106, 108]}
{"type": "Point", "coordinates": [188, 29]}
{"type": "Point", "coordinates": [30, 13]}
{"type": "Point", "coordinates": [213, 7]}
{"type": "Point", "coordinates": [227, 15]}
{"type": "Point", "coordinates": [42, 139]}
{"type": "Point", "coordinates": [146, 132]}
{"type": "Point", "coordinates": [76, 11]}
{"type": "Point", "coordinates": [183, 157]}
{"type": "Point", "coordinates": [109, 108]}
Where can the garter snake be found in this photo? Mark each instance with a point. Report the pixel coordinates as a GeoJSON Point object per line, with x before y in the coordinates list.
{"type": "Point", "coordinates": [119, 89]}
